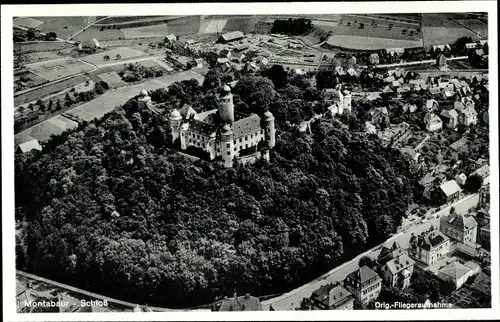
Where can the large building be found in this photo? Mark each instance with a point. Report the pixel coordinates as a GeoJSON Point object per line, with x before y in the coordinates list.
{"type": "Point", "coordinates": [460, 228]}
{"type": "Point", "coordinates": [429, 247]}
{"type": "Point", "coordinates": [238, 303]}
{"type": "Point", "coordinates": [364, 283]}
{"type": "Point", "coordinates": [332, 297]}
{"type": "Point", "coordinates": [221, 133]}
{"type": "Point", "coordinates": [397, 272]}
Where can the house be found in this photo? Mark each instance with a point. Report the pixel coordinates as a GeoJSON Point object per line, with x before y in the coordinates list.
{"type": "Point", "coordinates": [441, 60]}
{"type": "Point", "coordinates": [387, 90]}
{"type": "Point", "coordinates": [448, 94]}
{"type": "Point", "coordinates": [251, 67]}
{"type": "Point", "coordinates": [262, 61]}
{"type": "Point", "coordinates": [456, 273]}
{"type": "Point", "coordinates": [461, 179]}
{"type": "Point", "coordinates": [450, 118]}
{"type": "Point", "coordinates": [484, 195]}
{"type": "Point", "coordinates": [468, 116]}
{"type": "Point", "coordinates": [467, 102]}
{"type": "Point", "coordinates": [340, 70]}
{"type": "Point", "coordinates": [389, 79]}
{"type": "Point", "coordinates": [430, 105]}
{"type": "Point", "coordinates": [225, 53]}
{"type": "Point", "coordinates": [460, 228]}
{"type": "Point", "coordinates": [171, 38]}
{"type": "Point", "coordinates": [230, 36]}
{"type": "Point", "coordinates": [410, 108]}
{"type": "Point", "coordinates": [458, 106]}
{"type": "Point", "coordinates": [238, 57]}
{"type": "Point", "coordinates": [29, 146]}
{"type": "Point", "coordinates": [238, 303]}
{"type": "Point", "coordinates": [448, 192]}
{"type": "Point", "coordinates": [415, 156]}
{"type": "Point", "coordinates": [432, 122]}
{"type": "Point", "coordinates": [364, 283]}
{"type": "Point", "coordinates": [484, 173]}
{"type": "Point", "coordinates": [370, 128]}
{"type": "Point", "coordinates": [352, 72]}
{"type": "Point", "coordinates": [393, 51]}
{"type": "Point", "coordinates": [469, 46]}
{"type": "Point", "coordinates": [429, 247]}
{"type": "Point", "coordinates": [379, 115]}
{"type": "Point", "coordinates": [332, 297]}
{"type": "Point", "coordinates": [485, 233]}
{"type": "Point", "coordinates": [336, 109]}
{"type": "Point", "coordinates": [388, 253]}
{"type": "Point", "coordinates": [398, 271]}
{"type": "Point", "coordinates": [224, 63]}
{"type": "Point", "coordinates": [374, 59]}
{"type": "Point", "coordinates": [441, 48]}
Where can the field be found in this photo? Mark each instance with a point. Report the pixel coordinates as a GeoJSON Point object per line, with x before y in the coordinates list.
{"type": "Point", "coordinates": [83, 87]}
{"type": "Point", "coordinates": [25, 48]}
{"type": "Point", "coordinates": [246, 25]}
{"type": "Point", "coordinates": [369, 43]}
{"type": "Point", "coordinates": [148, 63]}
{"type": "Point", "coordinates": [44, 130]}
{"type": "Point", "coordinates": [136, 19]}
{"type": "Point", "coordinates": [64, 27]}
{"type": "Point", "coordinates": [47, 90]}
{"type": "Point", "coordinates": [109, 100]}
{"type": "Point", "coordinates": [145, 32]}
{"type": "Point", "coordinates": [27, 22]}
{"type": "Point", "coordinates": [95, 32]}
{"type": "Point", "coordinates": [212, 26]}
{"type": "Point", "coordinates": [441, 35]}
{"type": "Point", "coordinates": [124, 52]}
{"type": "Point", "coordinates": [30, 80]}
{"type": "Point", "coordinates": [112, 79]}
{"type": "Point", "coordinates": [43, 55]}
{"type": "Point", "coordinates": [184, 26]}
{"type": "Point", "coordinates": [474, 25]}
{"type": "Point", "coordinates": [59, 68]}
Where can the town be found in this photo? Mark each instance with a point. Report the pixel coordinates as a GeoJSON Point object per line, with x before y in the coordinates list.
{"type": "Point", "coordinates": [232, 97]}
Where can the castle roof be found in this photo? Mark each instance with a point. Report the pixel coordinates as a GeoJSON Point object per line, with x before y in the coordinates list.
{"type": "Point", "coordinates": [240, 303]}
{"type": "Point", "coordinates": [200, 127]}
{"type": "Point", "coordinates": [247, 125]}
{"type": "Point", "coordinates": [186, 111]}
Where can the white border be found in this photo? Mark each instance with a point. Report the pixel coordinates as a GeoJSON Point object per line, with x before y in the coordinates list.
{"type": "Point", "coordinates": [9, 11]}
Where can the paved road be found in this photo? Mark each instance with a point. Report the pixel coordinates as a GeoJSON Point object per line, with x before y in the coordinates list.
{"type": "Point", "coordinates": [292, 299]}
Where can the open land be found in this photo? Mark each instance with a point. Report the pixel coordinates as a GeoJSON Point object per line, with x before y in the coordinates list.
{"type": "Point", "coordinates": [369, 43]}
{"type": "Point", "coordinates": [159, 30]}
{"type": "Point", "coordinates": [124, 52]}
{"type": "Point", "coordinates": [41, 46]}
{"type": "Point", "coordinates": [64, 27]}
{"type": "Point", "coordinates": [59, 68]}
{"type": "Point", "coordinates": [27, 22]}
{"type": "Point", "coordinates": [112, 79]}
{"type": "Point", "coordinates": [95, 32]}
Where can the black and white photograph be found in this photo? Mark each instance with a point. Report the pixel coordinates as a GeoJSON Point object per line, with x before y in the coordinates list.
{"type": "Point", "coordinates": [170, 161]}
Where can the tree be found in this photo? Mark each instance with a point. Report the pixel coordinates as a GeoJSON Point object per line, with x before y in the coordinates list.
{"type": "Point", "coordinates": [474, 183]}
{"type": "Point", "coordinates": [366, 261]}
{"type": "Point", "coordinates": [31, 33]}
{"type": "Point", "coordinates": [41, 105]}
{"type": "Point", "coordinates": [118, 56]}
{"type": "Point", "coordinates": [68, 100]}
{"type": "Point", "coordinates": [106, 57]}
{"type": "Point", "coordinates": [50, 36]}
{"type": "Point", "coordinates": [278, 75]}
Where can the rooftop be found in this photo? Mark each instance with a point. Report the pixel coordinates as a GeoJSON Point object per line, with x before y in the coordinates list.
{"type": "Point", "coordinates": [240, 303]}
{"type": "Point", "coordinates": [450, 187]}
{"type": "Point", "coordinates": [363, 274]}
{"type": "Point", "coordinates": [455, 270]}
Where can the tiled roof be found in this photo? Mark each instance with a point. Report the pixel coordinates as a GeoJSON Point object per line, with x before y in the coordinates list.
{"type": "Point", "coordinates": [200, 127]}
{"type": "Point", "coordinates": [449, 114]}
{"type": "Point", "coordinates": [247, 125]}
{"type": "Point", "coordinates": [241, 303]}
{"type": "Point", "coordinates": [399, 263]}
{"type": "Point", "coordinates": [455, 270]}
{"type": "Point", "coordinates": [186, 111]}
{"type": "Point", "coordinates": [232, 35]}
{"type": "Point", "coordinates": [484, 171]}
{"type": "Point", "coordinates": [363, 274]}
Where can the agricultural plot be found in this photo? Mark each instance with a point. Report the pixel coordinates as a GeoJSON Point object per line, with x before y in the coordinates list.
{"type": "Point", "coordinates": [149, 63]}
{"type": "Point", "coordinates": [272, 48]}
{"type": "Point", "coordinates": [129, 19]}
{"type": "Point", "coordinates": [43, 131]}
{"type": "Point", "coordinates": [59, 68]}
{"type": "Point", "coordinates": [28, 80]}
{"type": "Point", "coordinates": [21, 48]}
{"type": "Point", "coordinates": [44, 55]}
{"type": "Point", "coordinates": [239, 24]}
{"type": "Point", "coordinates": [213, 26]}
{"type": "Point", "coordinates": [370, 43]}
{"type": "Point", "coordinates": [184, 26]}
{"type": "Point", "coordinates": [64, 27]}
{"type": "Point", "coordinates": [124, 52]}
{"type": "Point", "coordinates": [288, 52]}
{"type": "Point", "coordinates": [112, 79]}
{"type": "Point", "coordinates": [84, 87]}
{"type": "Point", "coordinates": [159, 30]}
{"type": "Point", "coordinates": [445, 35]}
{"type": "Point", "coordinates": [474, 25]}
{"type": "Point", "coordinates": [95, 32]}
{"type": "Point", "coordinates": [378, 31]}
{"type": "Point", "coordinates": [27, 22]}
{"type": "Point", "coordinates": [48, 90]}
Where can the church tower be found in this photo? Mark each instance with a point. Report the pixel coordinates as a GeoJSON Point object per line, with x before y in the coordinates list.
{"type": "Point", "coordinates": [269, 130]}
{"type": "Point", "coordinates": [227, 146]}
{"type": "Point", "coordinates": [175, 123]}
{"type": "Point", "coordinates": [226, 106]}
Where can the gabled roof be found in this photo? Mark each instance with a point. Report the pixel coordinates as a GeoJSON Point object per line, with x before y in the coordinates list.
{"type": "Point", "coordinates": [449, 114]}
{"type": "Point", "coordinates": [450, 187]}
{"type": "Point", "coordinates": [455, 270]}
{"type": "Point", "coordinates": [232, 35]}
{"type": "Point", "coordinates": [459, 221]}
{"type": "Point", "coordinates": [363, 274]}
{"type": "Point", "coordinates": [241, 303]}
{"type": "Point", "coordinates": [247, 125]}
{"type": "Point", "coordinates": [399, 263]}
{"type": "Point", "coordinates": [469, 112]}
{"type": "Point", "coordinates": [186, 111]}
{"type": "Point", "coordinates": [484, 171]}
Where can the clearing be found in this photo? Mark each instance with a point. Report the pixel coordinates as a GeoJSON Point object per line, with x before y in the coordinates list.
{"type": "Point", "coordinates": [27, 22]}
{"type": "Point", "coordinates": [117, 97]}
{"type": "Point", "coordinates": [124, 52]}
{"type": "Point", "coordinates": [64, 27]}
{"type": "Point", "coordinates": [59, 68]}
{"type": "Point", "coordinates": [44, 130]}
{"type": "Point", "coordinates": [43, 55]}
{"type": "Point", "coordinates": [112, 79]}
{"type": "Point", "coordinates": [146, 32]}
{"type": "Point", "coordinates": [370, 43]}
{"type": "Point", "coordinates": [96, 32]}
{"type": "Point", "coordinates": [41, 46]}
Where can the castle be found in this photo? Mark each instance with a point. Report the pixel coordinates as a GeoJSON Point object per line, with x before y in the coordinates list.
{"type": "Point", "coordinates": [221, 132]}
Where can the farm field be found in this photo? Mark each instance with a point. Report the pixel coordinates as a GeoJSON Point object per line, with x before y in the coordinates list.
{"type": "Point", "coordinates": [371, 31]}
{"type": "Point", "coordinates": [184, 26]}
{"type": "Point", "coordinates": [136, 19]}
{"type": "Point", "coordinates": [47, 90]}
{"type": "Point", "coordinates": [159, 30]}
{"type": "Point", "coordinates": [441, 35]}
{"type": "Point", "coordinates": [59, 68]}
{"type": "Point", "coordinates": [124, 52]}
{"type": "Point", "coordinates": [370, 43]}
{"type": "Point", "coordinates": [31, 47]}
{"type": "Point", "coordinates": [112, 79]}
{"type": "Point", "coordinates": [30, 80]}
{"type": "Point", "coordinates": [110, 99]}
{"type": "Point", "coordinates": [44, 130]}
{"type": "Point", "coordinates": [64, 27]}
{"type": "Point", "coordinates": [95, 32]}
{"type": "Point", "coordinates": [27, 22]}
{"type": "Point", "coordinates": [474, 25]}
{"type": "Point", "coordinates": [148, 63]}
{"type": "Point", "coordinates": [245, 25]}
{"type": "Point", "coordinates": [43, 55]}
{"type": "Point", "coordinates": [212, 26]}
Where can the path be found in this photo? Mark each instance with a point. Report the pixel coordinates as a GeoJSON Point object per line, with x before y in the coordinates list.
{"type": "Point", "coordinates": [419, 62]}
{"type": "Point", "coordinates": [84, 28]}
{"type": "Point", "coordinates": [292, 299]}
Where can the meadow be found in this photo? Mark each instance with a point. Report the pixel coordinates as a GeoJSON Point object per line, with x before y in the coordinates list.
{"type": "Point", "coordinates": [64, 27]}
{"type": "Point", "coordinates": [124, 52]}
{"type": "Point", "coordinates": [56, 69]}
{"type": "Point", "coordinates": [159, 30]}
{"type": "Point", "coordinates": [370, 43]}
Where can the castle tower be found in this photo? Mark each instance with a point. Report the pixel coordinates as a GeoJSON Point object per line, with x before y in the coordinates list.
{"type": "Point", "coordinates": [227, 145]}
{"type": "Point", "coordinates": [347, 101]}
{"type": "Point", "coordinates": [226, 106]}
{"type": "Point", "coordinates": [269, 130]}
{"type": "Point", "coordinates": [175, 123]}
{"type": "Point", "coordinates": [144, 99]}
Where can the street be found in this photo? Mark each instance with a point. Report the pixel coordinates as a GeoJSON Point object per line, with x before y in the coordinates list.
{"type": "Point", "coordinates": [292, 299]}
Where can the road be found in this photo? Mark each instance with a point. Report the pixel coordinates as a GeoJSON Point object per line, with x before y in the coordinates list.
{"type": "Point", "coordinates": [84, 28]}
{"type": "Point", "coordinates": [292, 299]}
{"type": "Point", "coordinates": [420, 62]}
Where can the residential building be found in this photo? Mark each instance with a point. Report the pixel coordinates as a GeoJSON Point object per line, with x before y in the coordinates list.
{"type": "Point", "coordinates": [374, 59]}
{"type": "Point", "coordinates": [447, 192]}
{"type": "Point", "coordinates": [432, 122]}
{"type": "Point", "coordinates": [450, 118]}
{"type": "Point", "coordinates": [398, 271]}
{"type": "Point", "coordinates": [470, 46]}
{"type": "Point", "coordinates": [222, 132]}
{"type": "Point", "coordinates": [364, 283]}
{"type": "Point", "coordinates": [484, 173]}
{"type": "Point", "coordinates": [430, 105]}
{"type": "Point", "coordinates": [238, 303]}
{"type": "Point", "coordinates": [332, 297]}
{"type": "Point", "coordinates": [456, 273]}
{"type": "Point", "coordinates": [485, 233]}
{"type": "Point", "coordinates": [410, 108]}
{"type": "Point", "coordinates": [225, 53]}
{"type": "Point", "coordinates": [29, 146]}
{"type": "Point", "coordinates": [468, 116]}
{"type": "Point", "coordinates": [388, 253]}
{"type": "Point", "coordinates": [379, 115]}
{"type": "Point", "coordinates": [262, 62]}
{"type": "Point", "coordinates": [460, 228]}
{"type": "Point", "coordinates": [441, 60]}
{"type": "Point", "coordinates": [461, 178]}
{"type": "Point", "coordinates": [231, 36]}
{"type": "Point", "coordinates": [171, 38]}
{"type": "Point", "coordinates": [484, 195]}
{"type": "Point", "coordinates": [393, 51]}
{"type": "Point", "coordinates": [429, 247]}
{"type": "Point", "coordinates": [340, 99]}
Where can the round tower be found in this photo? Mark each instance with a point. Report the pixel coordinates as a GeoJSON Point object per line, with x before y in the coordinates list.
{"type": "Point", "coordinates": [227, 146]}
{"type": "Point", "coordinates": [144, 99]}
{"type": "Point", "coordinates": [226, 106]}
{"type": "Point", "coordinates": [175, 123]}
{"type": "Point", "coordinates": [347, 101]}
{"type": "Point", "coordinates": [269, 130]}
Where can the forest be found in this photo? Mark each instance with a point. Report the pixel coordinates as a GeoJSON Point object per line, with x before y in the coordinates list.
{"type": "Point", "coordinates": [110, 207]}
